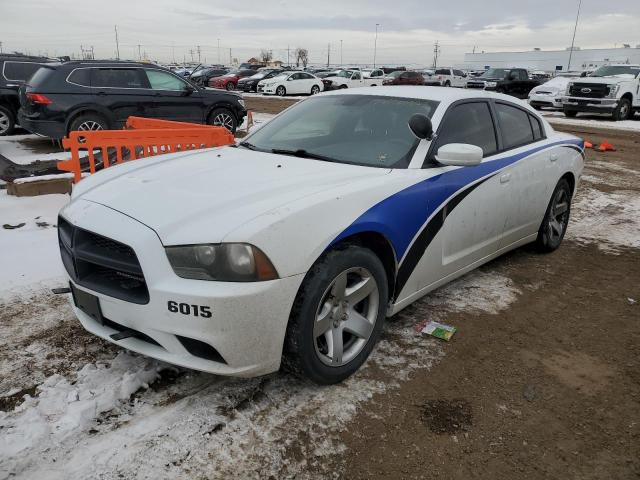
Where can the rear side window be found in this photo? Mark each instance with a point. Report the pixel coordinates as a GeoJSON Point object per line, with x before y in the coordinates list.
{"type": "Point", "coordinates": [160, 80]}
{"type": "Point", "coordinates": [81, 76]}
{"type": "Point", "coordinates": [514, 125]}
{"type": "Point", "coordinates": [116, 78]}
{"type": "Point", "coordinates": [469, 123]}
{"type": "Point", "coordinates": [19, 71]}
{"type": "Point", "coordinates": [537, 128]}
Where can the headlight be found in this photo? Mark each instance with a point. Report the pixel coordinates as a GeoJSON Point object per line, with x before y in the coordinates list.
{"type": "Point", "coordinates": [613, 90]}
{"type": "Point", "coordinates": [568, 91]}
{"type": "Point", "coordinates": [227, 262]}
{"type": "Point", "coordinates": [241, 102]}
{"type": "Point", "coordinates": [491, 84]}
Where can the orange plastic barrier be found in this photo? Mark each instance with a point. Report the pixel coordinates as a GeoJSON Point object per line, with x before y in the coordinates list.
{"type": "Point", "coordinates": [588, 144]}
{"type": "Point", "coordinates": [156, 138]}
{"type": "Point", "coordinates": [606, 147]}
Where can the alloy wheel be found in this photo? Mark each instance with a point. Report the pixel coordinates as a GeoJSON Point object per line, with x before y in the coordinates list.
{"type": "Point", "coordinates": [558, 216]}
{"type": "Point", "coordinates": [223, 120]}
{"type": "Point", "coordinates": [4, 123]}
{"type": "Point", "coordinates": [624, 111]}
{"type": "Point", "coordinates": [346, 316]}
{"type": "Point", "coordinates": [89, 126]}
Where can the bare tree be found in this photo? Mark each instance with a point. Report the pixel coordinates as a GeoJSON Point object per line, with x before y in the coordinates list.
{"type": "Point", "coordinates": [266, 56]}
{"type": "Point", "coordinates": [302, 56]}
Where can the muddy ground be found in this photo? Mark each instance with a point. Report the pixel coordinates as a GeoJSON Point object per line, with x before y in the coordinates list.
{"type": "Point", "coordinates": [541, 381]}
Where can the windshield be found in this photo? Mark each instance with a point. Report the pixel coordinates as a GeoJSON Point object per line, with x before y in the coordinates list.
{"type": "Point", "coordinates": [495, 73]}
{"type": "Point", "coordinates": [394, 74]}
{"type": "Point", "coordinates": [344, 74]}
{"type": "Point", "coordinates": [611, 71]}
{"type": "Point", "coordinates": [364, 130]}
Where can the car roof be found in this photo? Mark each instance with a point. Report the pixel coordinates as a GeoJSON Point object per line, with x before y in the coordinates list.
{"type": "Point", "coordinates": [438, 94]}
{"type": "Point", "coordinates": [110, 63]}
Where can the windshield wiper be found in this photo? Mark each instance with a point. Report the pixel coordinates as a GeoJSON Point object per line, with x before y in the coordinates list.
{"type": "Point", "coordinates": [249, 146]}
{"type": "Point", "coordinates": [303, 154]}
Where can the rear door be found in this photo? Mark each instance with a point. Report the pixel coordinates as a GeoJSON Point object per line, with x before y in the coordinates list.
{"type": "Point", "coordinates": [121, 90]}
{"type": "Point", "coordinates": [174, 98]}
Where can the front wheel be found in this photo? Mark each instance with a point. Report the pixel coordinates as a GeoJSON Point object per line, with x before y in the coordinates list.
{"type": "Point", "coordinates": [447, 83]}
{"type": "Point", "coordinates": [230, 86]}
{"type": "Point", "coordinates": [337, 316]}
{"type": "Point", "coordinates": [7, 121]}
{"type": "Point", "coordinates": [556, 218]}
{"type": "Point", "coordinates": [315, 90]}
{"type": "Point", "coordinates": [281, 91]}
{"type": "Point", "coordinates": [222, 117]}
{"type": "Point", "coordinates": [623, 111]}
{"type": "Point", "coordinates": [570, 113]}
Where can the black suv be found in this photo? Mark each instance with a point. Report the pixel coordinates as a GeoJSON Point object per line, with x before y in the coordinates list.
{"type": "Point", "coordinates": [100, 95]}
{"type": "Point", "coordinates": [512, 81]}
{"type": "Point", "coordinates": [14, 71]}
{"type": "Point", "coordinates": [250, 84]}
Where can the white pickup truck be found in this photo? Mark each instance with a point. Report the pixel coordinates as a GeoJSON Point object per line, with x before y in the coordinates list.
{"type": "Point", "coordinates": [612, 89]}
{"type": "Point", "coordinates": [349, 79]}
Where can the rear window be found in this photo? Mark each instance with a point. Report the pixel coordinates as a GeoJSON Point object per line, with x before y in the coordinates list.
{"type": "Point", "coordinates": [443, 71]}
{"type": "Point", "coordinates": [116, 78]}
{"type": "Point", "coordinates": [515, 126]}
{"type": "Point", "coordinates": [81, 76]}
{"type": "Point", "coordinates": [19, 71]}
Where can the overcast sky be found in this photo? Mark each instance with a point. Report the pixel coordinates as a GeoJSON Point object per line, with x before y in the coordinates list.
{"type": "Point", "coordinates": [408, 28]}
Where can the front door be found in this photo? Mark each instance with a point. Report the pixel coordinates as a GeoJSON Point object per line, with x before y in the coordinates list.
{"type": "Point", "coordinates": [174, 98]}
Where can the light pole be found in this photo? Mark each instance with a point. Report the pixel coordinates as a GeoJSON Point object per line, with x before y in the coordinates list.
{"type": "Point", "coordinates": [375, 46]}
{"type": "Point", "coordinates": [218, 51]}
{"type": "Point", "coordinates": [341, 63]}
{"type": "Point", "coordinates": [575, 28]}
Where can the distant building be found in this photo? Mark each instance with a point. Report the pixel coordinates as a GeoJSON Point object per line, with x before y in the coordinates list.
{"type": "Point", "coordinates": [552, 60]}
{"type": "Point", "coordinates": [253, 61]}
{"type": "Point", "coordinates": [275, 63]}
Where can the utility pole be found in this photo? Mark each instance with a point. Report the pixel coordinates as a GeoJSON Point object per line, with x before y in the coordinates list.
{"type": "Point", "coordinates": [230, 59]}
{"type": "Point", "coordinates": [117, 43]}
{"type": "Point", "coordinates": [173, 51]}
{"type": "Point", "coordinates": [139, 54]}
{"type": "Point", "coordinates": [198, 49]}
{"type": "Point", "coordinates": [288, 50]}
{"type": "Point", "coordinates": [219, 51]}
{"type": "Point", "coordinates": [93, 57]}
{"type": "Point", "coordinates": [575, 28]}
{"type": "Point", "coordinates": [341, 63]}
{"type": "Point", "coordinates": [375, 46]}
{"type": "Point", "coordinates": [436, 52]}
{"type": "Point", "coordinates": [328, 54]}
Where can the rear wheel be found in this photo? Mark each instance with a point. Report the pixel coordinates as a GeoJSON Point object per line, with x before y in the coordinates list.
{"type": "Point", "coordinates": [338, 315]}
{"type": "Point", "coordinates": [88, 122]}
{"type": "Point", "coordinates": [230, 86]}
{"type": "Point", "coordinates": [222, 117]}
{"type": "Point", "coordinates": [447, 83]}
{"type": "Point", "coordinates": [7, 121]}
{"type": "Point", "coordinates": [315, 90]}
{"type": "Point", "coordinates": [556, 218]}
{"type": "Point", "coordinates": [281, 91]}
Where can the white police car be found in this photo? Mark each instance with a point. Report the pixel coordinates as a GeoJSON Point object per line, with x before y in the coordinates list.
{"type": "Point", "coordinates": [299, 241]}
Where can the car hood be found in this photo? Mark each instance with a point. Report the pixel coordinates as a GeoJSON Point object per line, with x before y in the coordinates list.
{"type": "Point", "coordinates": [606, 80]}
{"type": "Point", "coordinates": [202, 196]}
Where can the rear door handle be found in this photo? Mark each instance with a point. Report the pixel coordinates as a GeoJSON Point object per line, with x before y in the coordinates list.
{"type": "Point", "coordinates": [505, 178]}
{"type": "Point", "coordinates": [553, 157]}
{"type": "Point", "coordinates": [102, 94]}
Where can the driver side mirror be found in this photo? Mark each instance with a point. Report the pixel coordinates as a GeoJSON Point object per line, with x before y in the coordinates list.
{"type": "Point", "coordinates": [421, 126]}
{"type": "Point", "coordinates": [459, 155]}
{"type": "Point", "coordinates": [188, 90]}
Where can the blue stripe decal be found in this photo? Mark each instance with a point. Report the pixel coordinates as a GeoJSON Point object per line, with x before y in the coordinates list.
{"type": "Point", "coordinates": [401, 216]}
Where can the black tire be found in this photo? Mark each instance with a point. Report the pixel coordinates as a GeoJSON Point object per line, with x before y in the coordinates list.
{"type": "Point", "coordinates": [89, 121]}
{"type": "Point", "coordinates": [537, 107]}
{"type": "Point", "coordinates": [623, 111]}
{"type": "Point", "coordinates": [302, 354]}
{"type": "Point", "coordinates": [549, 239]}
{"type": "Point", "coordinates": [223, 117]}
{"type": "Point", "coordinates": [230, 86]}
{"type": "Point", "coordinates": [342, 87]}
{"type": "Point", "coordinates": [7, 121]}
{"type": "Point", "coordinates": [281, 91]}
{"type": "Point", "coordinates": [315, 90]}
{"type": "Point", "coordinates": [570, 113]}
{"type": "Point", "coordinates": [447, 83]}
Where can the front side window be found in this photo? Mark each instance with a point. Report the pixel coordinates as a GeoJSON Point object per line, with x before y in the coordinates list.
{"type": "Point", "coordinates": [363, 130]}
{"type": "Point", "coordinates": [469, 123]}
{"type": "Point", "coordinates": [356, 76]}
{"type": "Point", "coordinates": [514, 125]}
{"type": "Point", "coordinates": [495, 73]}
{"type": "Point", "coordinates": [116, 78]}
{"type": "Point", "coordinates": [19, 71]}
{"type": "Point", "coordinates": [160, 80]}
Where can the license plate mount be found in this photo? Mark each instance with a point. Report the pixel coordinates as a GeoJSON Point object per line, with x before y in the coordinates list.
{"type": "Point", "coordinates": [89, 304]}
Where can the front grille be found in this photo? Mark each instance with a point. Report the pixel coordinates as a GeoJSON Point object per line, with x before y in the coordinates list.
{"type": "Point", "coordinates": [101, 264]}
{"type": "Point", "coordinates": [589, 90]}
{"type": "Point", "coordinates": [475, 85]}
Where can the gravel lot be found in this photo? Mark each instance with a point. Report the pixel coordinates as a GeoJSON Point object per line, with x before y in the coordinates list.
{"type": "Point", "coordinates": [541, 381]}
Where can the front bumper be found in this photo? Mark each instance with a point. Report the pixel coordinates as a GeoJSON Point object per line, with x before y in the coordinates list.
{"type": "Point", "coordinates": [550, 101]}
{"type": "Point", "coordinates": [45, 128]}
{"type": "Point", "coordinates": [590, 105]}
{"type": "Point", "coordinates": [248, 321]}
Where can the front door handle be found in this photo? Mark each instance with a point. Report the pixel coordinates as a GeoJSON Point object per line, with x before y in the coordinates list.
{"type": "Point", "coordinates": [505, 178]}
{"type": "Point", "coordinates": [553, 157]}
